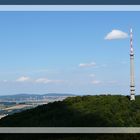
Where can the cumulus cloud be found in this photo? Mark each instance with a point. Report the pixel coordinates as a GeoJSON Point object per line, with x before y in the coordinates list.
{"type": "Point", "coordinates": [46, 81]}
{"type": "Point", "coordinates": [116, 34]}
{"type": "Point", "coordinates": [39, 80]}
{"type": "Point", "coordinates": [83, 65]}
{"type": "Point", "coordinates": [23, 79]}
{"type": "Point", "coordinates": [42, 80]}
{"type": "Point", "coordinates": [96, 82]}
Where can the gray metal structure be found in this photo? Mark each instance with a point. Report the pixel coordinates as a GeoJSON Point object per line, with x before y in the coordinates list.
{"type": "Point", "coordinates": [132, 81]}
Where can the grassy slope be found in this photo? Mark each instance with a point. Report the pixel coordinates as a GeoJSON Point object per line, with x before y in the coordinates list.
{"type": "Point", "coordinates": [81, 111]}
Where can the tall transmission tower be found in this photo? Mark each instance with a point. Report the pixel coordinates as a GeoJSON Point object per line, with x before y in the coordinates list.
{"type": "Point", "coordinates": [132, 81]}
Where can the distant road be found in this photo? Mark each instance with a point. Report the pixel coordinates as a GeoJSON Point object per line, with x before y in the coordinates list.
{"type": "Point", "coordinates": [17, 107]}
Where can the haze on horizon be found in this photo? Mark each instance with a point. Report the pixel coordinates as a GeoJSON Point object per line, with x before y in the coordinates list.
{"type": "Point", "coordinates": [67, 52]}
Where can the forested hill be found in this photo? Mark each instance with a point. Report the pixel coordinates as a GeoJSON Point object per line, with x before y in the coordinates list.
{"type": "Point", "coordinates": [102, 110]}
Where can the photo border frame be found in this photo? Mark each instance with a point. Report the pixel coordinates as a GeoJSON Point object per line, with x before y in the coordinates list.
{"type": "Point", "coordinates": [74, 8]}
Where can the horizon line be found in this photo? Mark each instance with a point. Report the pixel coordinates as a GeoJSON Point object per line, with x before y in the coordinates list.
{"type": "Point", "coordinates": [97, 94]}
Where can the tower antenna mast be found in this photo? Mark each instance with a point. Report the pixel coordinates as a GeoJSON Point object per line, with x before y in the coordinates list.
{"type": "Point", "coordinates": [132, 82]}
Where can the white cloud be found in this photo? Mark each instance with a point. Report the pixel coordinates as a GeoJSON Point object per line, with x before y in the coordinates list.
{"type": "Point", "coordinates": [92, 64]}
{"type": "Point", "coordinates": [116, 34]}
{"type": "Point", "coordinates": [23, 79]}
{"type": "Point", "coordinates": [96, 82]}
{"type": "Point", "coordinates": [39, 80]}
{"type": "Point", "coordinates": [42, 80]}
{"type": "Point", "coordinates": [46, 81]}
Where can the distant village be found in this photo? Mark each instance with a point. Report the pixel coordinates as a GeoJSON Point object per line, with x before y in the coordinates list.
{"type": "Point", "coordinates": [16, 103]}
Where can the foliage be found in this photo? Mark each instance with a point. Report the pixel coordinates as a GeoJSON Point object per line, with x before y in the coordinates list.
{"type": "Point", "coordinates": [81, 111]}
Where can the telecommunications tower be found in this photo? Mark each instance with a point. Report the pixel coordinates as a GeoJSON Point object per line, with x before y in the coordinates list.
{"type": "Point", "coordinates": [132, 82]}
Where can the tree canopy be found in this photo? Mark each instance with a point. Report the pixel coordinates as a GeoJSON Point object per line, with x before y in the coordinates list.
{"type": "Point", "coordinates": [80, 111]}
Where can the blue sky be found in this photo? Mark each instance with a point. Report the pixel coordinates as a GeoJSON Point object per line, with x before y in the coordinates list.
{"type": "Point", "coordinates": [66, 52]}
